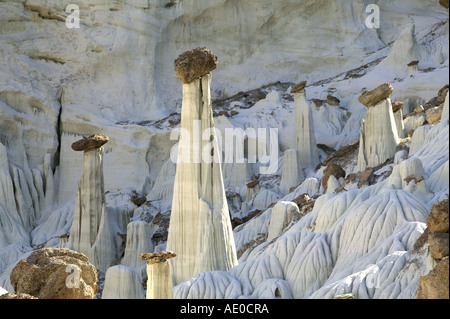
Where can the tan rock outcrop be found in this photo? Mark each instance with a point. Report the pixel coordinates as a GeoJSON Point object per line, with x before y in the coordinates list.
{"type": "Point", "coordinates": [332, 169]}
{"type": "Point", "coordinates": [433, 115]}
{"type": "Point", "coordinates": [55, 273]}
{"type": "Point", "coordinates": [18, 296]}
{"type": "Point", "coordinates": [438, 219]}
{"type": "Point", "coordinates": [435, 284]}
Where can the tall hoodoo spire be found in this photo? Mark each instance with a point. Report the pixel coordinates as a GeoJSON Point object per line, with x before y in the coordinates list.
{"type": "Point", "coordinates": [305, 140]}
{"type": "Point", "coordinates": [379, 135]}
{"type": "Point", "coordinates": [200, 228]}
{"type": "Point", "coordinates": [90, 201]}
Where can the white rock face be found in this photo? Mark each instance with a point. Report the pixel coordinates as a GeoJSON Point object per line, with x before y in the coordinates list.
{"type": "Point", "coordinates": [293, 174]}
{"type": "Point", "coordinates": [139, 241]}
{"type": "Point", "coordinates": [283, 213]}
{"type": "Point", "coordinates": [379, 137]}
{"type": "Point", "coordinates": [398, 117]}
{"type": "Point", "coordinates": [200, 229]}
{"type": "Point", "coordinates": [405, 49]}
{"type": "Point", "coordinates": [305, 140]}
{"type": "Point", "coordinates": [163, 187]}
{"type": "Point", "coordinates": [159, 283]}
{"type": "Point", "coordinates": [237, 174]}
{"type": "Point", "coordinates": [122, 282]}
{"type": "Point", "coordinates": [89, 205]}
{"type": "Point", "coordinates": [113, 75]}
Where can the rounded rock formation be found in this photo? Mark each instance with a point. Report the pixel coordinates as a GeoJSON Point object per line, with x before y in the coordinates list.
{"type": "Point", "coordinates": [55, 273]}
{"type": "Point", "coordinates": [194, 64]}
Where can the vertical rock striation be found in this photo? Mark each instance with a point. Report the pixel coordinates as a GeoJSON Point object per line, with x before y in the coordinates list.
{"type": "Point", "coordinates": [200, 228]}
{"type": "Point", "coordinates": [292, 175]}
{"type": "Point", "coordinates": [305, 140]}
{"type": "Point", "coordinates": [379, 136]}
{"type": "Point", "coordinates": [90, 200]}
{"type": "Point", "coordinates": [159, 282]}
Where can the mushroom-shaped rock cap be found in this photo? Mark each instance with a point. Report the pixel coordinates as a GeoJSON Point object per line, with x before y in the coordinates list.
{"type": "Point", "coordinates": [299, 87]}
{"type": "Point", "coordinates": [397, 105]}
{"type": "Point", "coordinates": [194, 64]}
{"type": "Point", "coordinates": [90, 142]}
{"type": "Point", "coordinates": [155, 258]}
{"type": "Point", "coordinates": [372, 98]}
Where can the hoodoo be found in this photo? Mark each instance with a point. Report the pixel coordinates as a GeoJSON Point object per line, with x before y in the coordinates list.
{"type": "Point", "coordinates": [379, 137]}
{"type": "Point", "coordinates": [305, 140]}
{"type": "Point", "coordinates": [90, 201]}
{"type": "Point", "coordinates": [200, 228]}
{"type": "Point", "coordinates": [159, 282]}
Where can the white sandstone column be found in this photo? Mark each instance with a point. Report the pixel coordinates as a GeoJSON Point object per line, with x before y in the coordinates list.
{"type": "Point", "coordinates": [305, 140]}
{"type": "Point", "coordinates": [292, 175]}
{"type": "Point", "coordinates": [90, 200]}
{"type": "Point", "coordinates": [398, 117]}
{"type": "Point", "coordinates": [379, 137]}
{"type": "Point", "coordinates": [159, 275]}
{"type": "Point", "coordinates": [200, 228]}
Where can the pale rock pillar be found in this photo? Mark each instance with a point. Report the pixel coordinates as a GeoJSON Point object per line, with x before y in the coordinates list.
{"type": "Point", "coordinates": [200, 228]}
{"type": "Point", "coordinates": [292, 175]}
{"type": "Point", "coordinates": [159, 275]}
{"type": "Point", "coordinates": [398, 117]}
{"type": "Point", "coordinates": [283, 213]}
{"type": "Point", "coordinates": [122, 282]}
{"type": "Point", "coordinates": [305, 140]}
{"type": "Point", "coordinates": [90, 200]}
{"type": "Point", "coordinates": [378, 137]}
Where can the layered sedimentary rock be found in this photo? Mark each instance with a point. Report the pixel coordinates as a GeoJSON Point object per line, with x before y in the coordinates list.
{"type": "Point", "coordinates": [139, 238]}
{"type": "Point", "coordinates": [434, 284]}
{"type": "Point", "coordinates": [379, 137]}
{"type": "Point", "coordinates": [237, 174]}
{"type": "Point", "coordinates": [122, 282]}
{"type": "Point", "coordinates": [292, 175]}
{"type": "Point", "coordinates": [305, 140]}
{"type": "Point", "coordinates": [200, 229]}
{"type": "Point", "coordinates": [90, 200]}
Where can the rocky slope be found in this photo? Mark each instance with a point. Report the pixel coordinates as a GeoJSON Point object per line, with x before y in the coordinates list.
{"type": "Point", "coordinates": [114, 75]}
